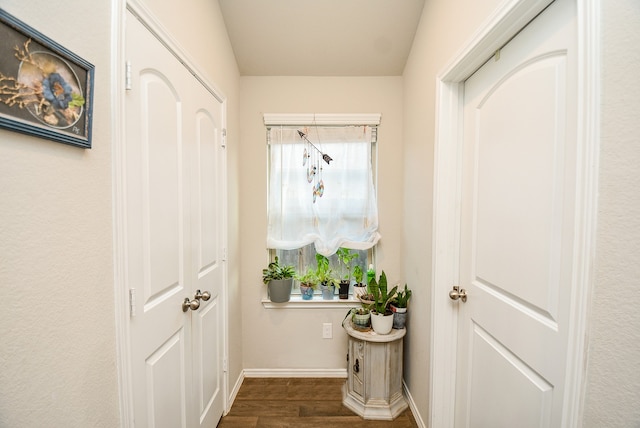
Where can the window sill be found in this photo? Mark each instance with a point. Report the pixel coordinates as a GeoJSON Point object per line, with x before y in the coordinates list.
{"type": "Point", "coordinates": [317, 302]}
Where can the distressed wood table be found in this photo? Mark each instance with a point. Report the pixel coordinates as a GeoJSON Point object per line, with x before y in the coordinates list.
{"type": "Point", "coordinates": [373, 388]}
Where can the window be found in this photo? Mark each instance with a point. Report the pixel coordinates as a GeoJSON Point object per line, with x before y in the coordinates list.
{"type": "Point", "coordinates": [318, 206]}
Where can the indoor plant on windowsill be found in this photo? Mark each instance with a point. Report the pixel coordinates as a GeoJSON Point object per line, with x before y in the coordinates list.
{"type": "Point", "coordinates": [279, 280]}
{"type": "Point", "coordinates": [325, 277]}
{"type": "Point", "coordinates": [308, 283]}
{"type": "Point", "coordinates": [367, 296]}
{"type": "Point", "coordinates": [381, 315]}
{"type": "Point", "coordinates": [399, 307]}
{"type": "Point", "coordinates": [345, 259]}
{"type": "Point", "coordinates": [359, 288]}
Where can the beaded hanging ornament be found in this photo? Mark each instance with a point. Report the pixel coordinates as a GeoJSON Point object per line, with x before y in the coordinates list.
{"type": "Point", "coordinates": [312, 158]}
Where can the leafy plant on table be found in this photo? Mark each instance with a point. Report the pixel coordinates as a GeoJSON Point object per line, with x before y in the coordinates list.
{"type": "Point", "coordinates": [381, 298]}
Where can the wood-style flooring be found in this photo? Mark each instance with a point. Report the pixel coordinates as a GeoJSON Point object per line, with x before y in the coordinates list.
{"type": "Point", "coordinates": [299, 403]}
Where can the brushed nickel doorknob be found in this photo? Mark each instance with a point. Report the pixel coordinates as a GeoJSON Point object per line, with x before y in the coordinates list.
{"type": "Point", "coordinates": [458, 293]}
{"type": "Point", "coordinates": [190, 304]}
{"type": "Point", "coordinates": [205, 295]}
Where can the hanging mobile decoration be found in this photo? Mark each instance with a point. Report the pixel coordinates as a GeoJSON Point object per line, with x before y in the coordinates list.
{"type": "Point", "coordinates": [316, 187]}
{"type": "Point", "coordinates": [311, 172]}
{"type": "Point", "coordinates": [314, 168]}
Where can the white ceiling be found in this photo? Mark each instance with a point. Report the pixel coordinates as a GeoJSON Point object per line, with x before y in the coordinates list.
{"type": "Point", "coordinates": [321, 37]}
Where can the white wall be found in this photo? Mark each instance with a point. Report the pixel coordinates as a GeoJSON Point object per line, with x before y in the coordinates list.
{"type": "Point", "coordinates": [292, 338]}
{"type": "Point", "coordinates": [613, 377]}
{"type": "Point", "coordinates": [612, 387]}
{"type": "Point", "coordinates": [58, 364]}
{"type": "Point", "coordinates": [445, 27]}
{"type": "Point", "coordinates": [57, 342]}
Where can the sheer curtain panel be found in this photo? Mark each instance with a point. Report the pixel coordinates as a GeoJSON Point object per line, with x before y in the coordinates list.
{"type": "Point", "coordinates": [346, 215]}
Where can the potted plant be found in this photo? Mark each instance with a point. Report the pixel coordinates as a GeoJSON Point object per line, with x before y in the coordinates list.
{"type": "Point", "coordinates": [308, 283]}
{"type": "Point", "coordinates": [324, 275]}
{"type": "Point", "coordinates": [345, 258]}
{"type": "Point", "coordinates": [279, 279]}
{"type": "Point", "coordinates": [361, 318]}
{"type": "Point", "coordinates": [381, 315]}
{"type": "Point", "coordinates": [399, 307]}
{"type": "Point", "coordinates": [359, 288]}
{"type": "Point", "coordinates": [367, 297]}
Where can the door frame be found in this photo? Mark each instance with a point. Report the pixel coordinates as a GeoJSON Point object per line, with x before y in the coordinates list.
{"type": "Point", "coordinates": [119, 10]}
{"type": "Point", "coordinates": [500, 27]}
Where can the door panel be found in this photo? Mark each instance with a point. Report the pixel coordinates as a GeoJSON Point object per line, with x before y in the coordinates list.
{"type": "Point", "coordinates": [208, 188]}
{"type": "Point", "coordinates": [156, 229]}
{"type": "Point", "coordinates": [519, 201]}
{"type": "Point", "coordinates": [174, 185]}
{"type": "Point", "coordinates": [516, 250]}
{"type": "Point", "coordinates": [208, 378]}
{"type": "Point", "coordinates": [501, 382]}
{"type": "Point", "coordinates": [208, 266]}
{"type": "Point", "coordinates": [162, 197]}
{"type": "Point", "coordinates": [165, 380]}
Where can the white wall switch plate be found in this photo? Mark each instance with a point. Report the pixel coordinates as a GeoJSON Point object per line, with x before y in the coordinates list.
{"type": "Point", "coordinates": [327, 330]}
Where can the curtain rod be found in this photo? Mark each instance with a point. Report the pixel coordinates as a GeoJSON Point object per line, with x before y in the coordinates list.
{"type": "Point", "coordinates": [321, 119]}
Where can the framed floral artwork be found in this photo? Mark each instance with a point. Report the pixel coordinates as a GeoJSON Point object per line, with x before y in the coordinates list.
{"type": "Point", "coordinates": [45, 89]}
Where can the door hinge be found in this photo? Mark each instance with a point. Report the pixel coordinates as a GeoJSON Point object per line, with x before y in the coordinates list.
{"type": "Point", "coordinates": [132, 302]}
{"type": "Point", "coordinates": [225, 365]}
{"type": "Point", "coordinates": [224, 254]}
{"type": "Point", "coordinates": [224, 138]}
{"type": "Point", "coordinates": [127, 76]}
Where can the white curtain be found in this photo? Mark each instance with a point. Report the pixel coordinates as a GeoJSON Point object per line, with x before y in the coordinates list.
{"type": "Point", "coordinates": [346, 215]}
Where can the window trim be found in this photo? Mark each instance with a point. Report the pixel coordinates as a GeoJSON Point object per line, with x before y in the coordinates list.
{"type": "Point", "coordinates": [296, 302]}
{"type": "Point", "coordinates": [292, 119]}
{"type": "Point", "coordinates": [322, 119]}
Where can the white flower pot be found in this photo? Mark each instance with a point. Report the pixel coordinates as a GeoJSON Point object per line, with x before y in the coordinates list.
{"type": "Point", "coordinates": [381, 324]}
{"type": "Point", "coordinates": [359, 291]}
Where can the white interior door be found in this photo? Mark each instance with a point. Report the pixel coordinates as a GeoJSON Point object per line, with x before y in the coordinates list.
{"type": "Point", "coordinates": [174, 217]}
{"type": "Point", "coordinates": [517, 221]}
{"type": "Point", "coordinates": [207, 261]}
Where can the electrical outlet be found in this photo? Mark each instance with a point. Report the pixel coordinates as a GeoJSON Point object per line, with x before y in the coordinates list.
{"type": "Point", "coordinates": [327, 330]}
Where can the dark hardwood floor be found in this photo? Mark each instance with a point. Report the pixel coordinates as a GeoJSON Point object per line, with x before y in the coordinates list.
{"type": "Point", "coordinates": [299, 402]}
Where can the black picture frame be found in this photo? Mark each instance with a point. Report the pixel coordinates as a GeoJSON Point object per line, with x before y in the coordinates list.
{"type": "Point", "coordinates": [45, 89]}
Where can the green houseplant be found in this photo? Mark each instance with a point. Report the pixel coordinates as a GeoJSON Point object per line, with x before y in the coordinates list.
{"type": "Point", "coordinates": [367, 295]}
{"type": "Point", "coordinates": [359, 288]}
{"type": "Point", "coordinates": [279, 279]}
{"type": "Point", "coordinates": [308, 283]}
{"type": "Point", "coordinates": [399, 307]}
{"type": "Point", "coordinates": [345, 259]}
{"type": "Point", "coordinates": [325, 277]}
{"type": "Point", "coordinates": [361, 318]}
{"type": "Point", "coordinates": [381, 315]}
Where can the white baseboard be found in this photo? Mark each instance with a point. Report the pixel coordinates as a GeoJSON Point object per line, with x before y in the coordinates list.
{"type": "Point", "coordinates": [234, 393]}
{"type": "Point", "coordinates": [412, 405]}
{"type": "Point", "coordinates": [341, 373]}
